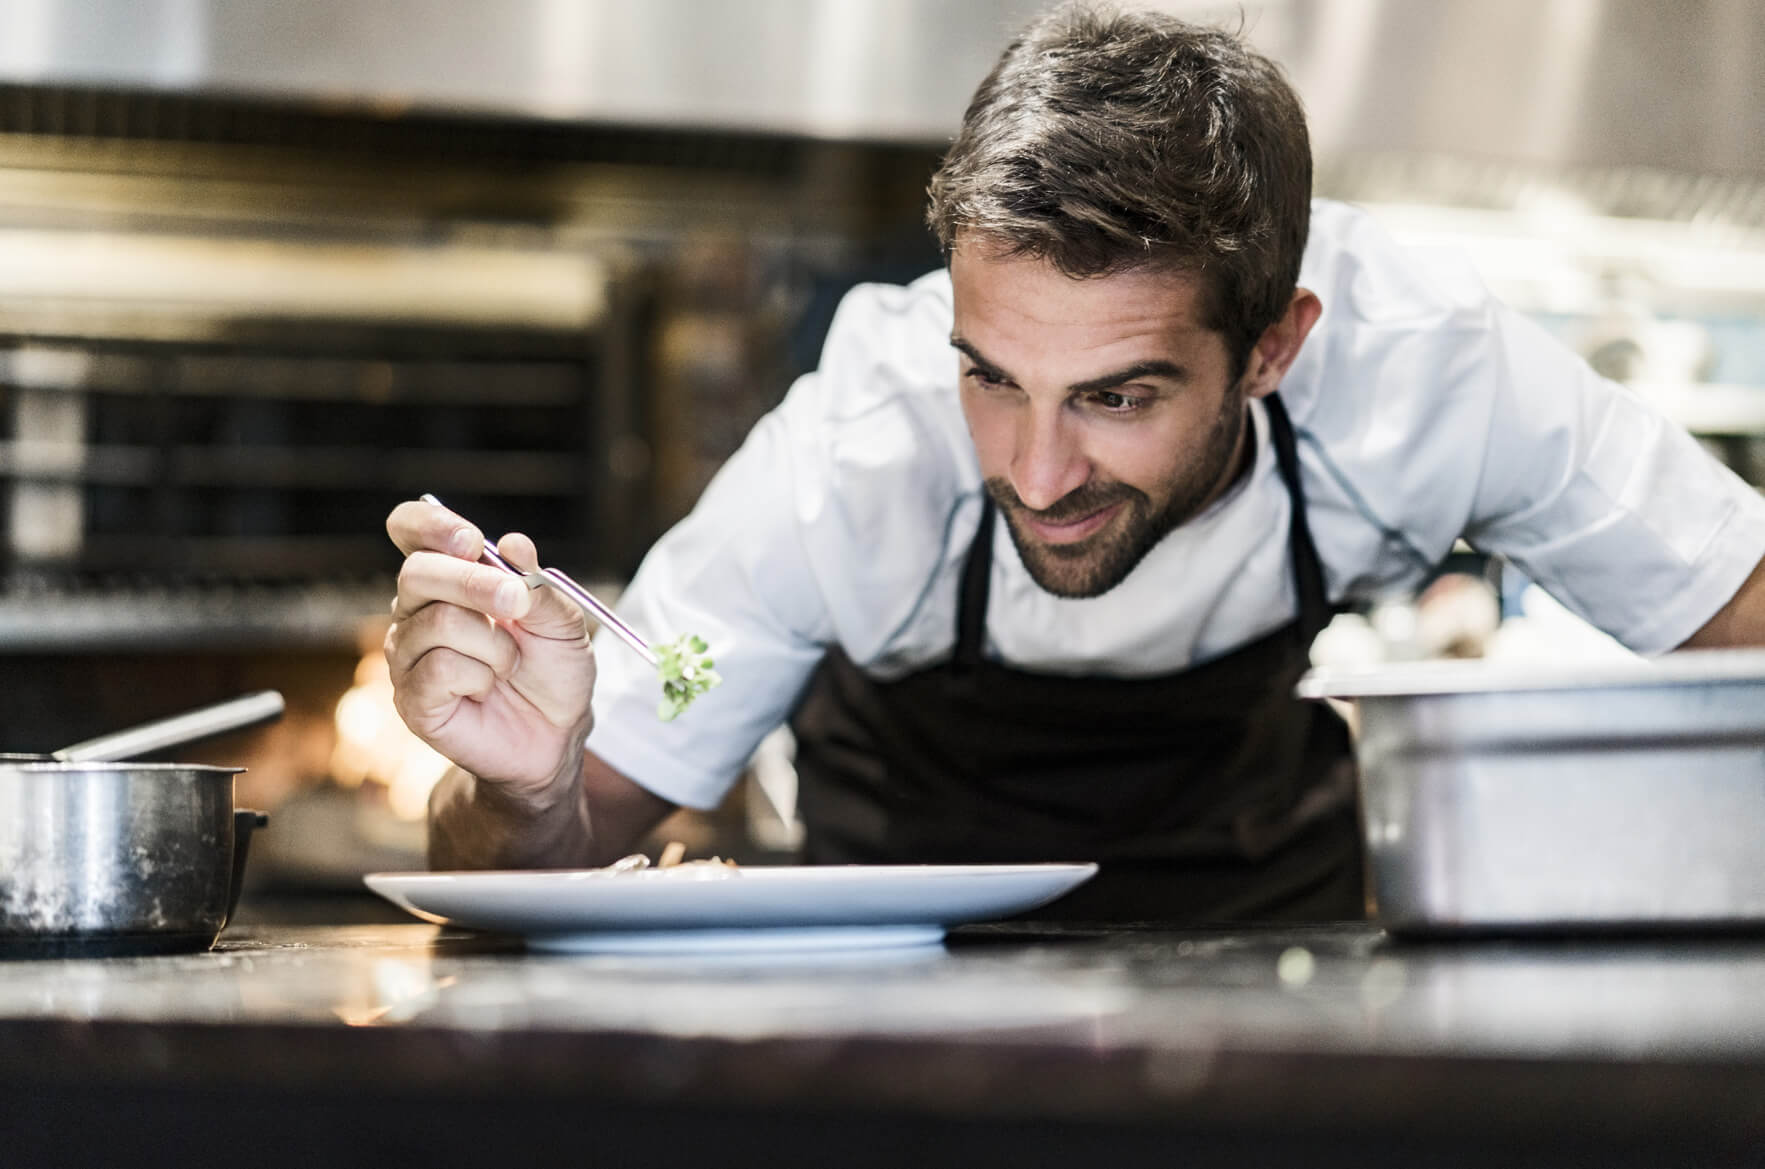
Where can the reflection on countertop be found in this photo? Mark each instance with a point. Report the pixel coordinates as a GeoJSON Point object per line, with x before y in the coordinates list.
{"type": "Point", "coordinates": [380, 1044]}
{"type": "Point", "coordinates": [1341, 989]}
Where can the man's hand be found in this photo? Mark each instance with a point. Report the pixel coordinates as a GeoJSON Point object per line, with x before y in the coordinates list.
{"type": "Point", "coordinates": [495, 676]}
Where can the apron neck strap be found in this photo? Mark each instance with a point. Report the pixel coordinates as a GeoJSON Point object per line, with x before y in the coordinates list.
{"type": "Point", "coordinates": [977, 577]}
{"type": "Point", "coordinates": [1308, 572]}
{"type": "Point", "coordinates": [1308, 567]}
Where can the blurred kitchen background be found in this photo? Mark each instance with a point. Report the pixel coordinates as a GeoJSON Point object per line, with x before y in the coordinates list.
{"type": "Point", "coordinates": [268, 268]}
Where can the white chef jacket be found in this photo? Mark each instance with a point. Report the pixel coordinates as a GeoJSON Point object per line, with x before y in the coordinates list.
{"type": "Point", "coordinates": [1424, 409]}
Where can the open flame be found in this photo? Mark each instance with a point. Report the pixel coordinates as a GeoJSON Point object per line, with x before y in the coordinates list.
{"type": "Point", "coordinates": [374, 746]}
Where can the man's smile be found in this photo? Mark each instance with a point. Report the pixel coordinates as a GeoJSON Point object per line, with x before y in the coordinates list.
{"type": "Point", "coordinates": [1069, 531]}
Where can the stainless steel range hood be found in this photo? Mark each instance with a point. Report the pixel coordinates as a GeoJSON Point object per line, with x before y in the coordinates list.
{"type": "Point", "coordinates": [1666, 83]}
{"type": "Point", "coordinates": [897, 69]}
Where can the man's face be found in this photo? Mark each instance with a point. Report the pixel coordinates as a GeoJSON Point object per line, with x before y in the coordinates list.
{"type": "Point", "coordinates": [1103, 412]}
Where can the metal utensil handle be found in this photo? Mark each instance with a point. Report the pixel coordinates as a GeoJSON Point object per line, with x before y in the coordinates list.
{"type": "Point", "coordinates": [202, 723]}
{"type": "Point", "coordinates": [590, 602]}
{"type": "Point", "coordinates": [558, 580]}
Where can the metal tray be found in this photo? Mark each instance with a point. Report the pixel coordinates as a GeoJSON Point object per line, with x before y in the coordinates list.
{"type": "Point", "coordinates": [1511, 798]}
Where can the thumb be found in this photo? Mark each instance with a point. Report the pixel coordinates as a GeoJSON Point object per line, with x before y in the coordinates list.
{"type": "Point", "coordinates": [549, 612]}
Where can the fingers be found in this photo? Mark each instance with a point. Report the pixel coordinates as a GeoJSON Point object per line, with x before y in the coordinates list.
{"type": "Point", "coordinates": [452, 628]}
{"type": "Point", "coordinates": [432, 690]}
{"type": "Point", "coordinates": [441, 565]}
{"type": "Point", "coordinates": [518, 550]}
{"type": "Point", "coordinates": [428, 577]}
{"type": "Point", "coordinates": [418, 526]}
{"type": "Point", "coordinates": [549, 613]}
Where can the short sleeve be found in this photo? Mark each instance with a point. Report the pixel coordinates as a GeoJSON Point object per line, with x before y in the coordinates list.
{"type": "Point", "coordinates": [1429, 410]}
{"type": "Point", "coordinates": [1604, 501]}
{"type": "Point", "coordinates": [814, 533]}
{"type": "Point", "coordinates": [733, 572]}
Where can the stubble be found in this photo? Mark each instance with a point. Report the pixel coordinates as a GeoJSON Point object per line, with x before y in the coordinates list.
{"type": "Point", "coordinates": [1093, 566]}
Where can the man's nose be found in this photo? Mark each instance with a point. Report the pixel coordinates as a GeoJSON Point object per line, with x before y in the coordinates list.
{"type": "Point", "coordinates": [1048, 463]}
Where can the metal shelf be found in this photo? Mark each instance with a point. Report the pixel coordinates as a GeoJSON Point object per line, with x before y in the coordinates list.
{"type": "Point", "coordinates": [383, 381]}
{"type": "Point", "coordinates": [293, 468]}
{"type": "Point", "coordinates": [324, 616]}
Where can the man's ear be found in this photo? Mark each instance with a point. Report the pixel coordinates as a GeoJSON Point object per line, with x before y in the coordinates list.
{"type": "Point", "coordinates": [1279, 345]}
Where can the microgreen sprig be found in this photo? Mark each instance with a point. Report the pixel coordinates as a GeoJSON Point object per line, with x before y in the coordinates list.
{"type": "Point", "coordinates": [684, 665]}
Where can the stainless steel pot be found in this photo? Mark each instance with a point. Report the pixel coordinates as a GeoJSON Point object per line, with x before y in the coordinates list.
{"type": "Point", "coordinates": [118, 858]}
{"type": "Point", "coordinates": [1511, 798]}
{"type": "Point", "coordinates": [105, 857]}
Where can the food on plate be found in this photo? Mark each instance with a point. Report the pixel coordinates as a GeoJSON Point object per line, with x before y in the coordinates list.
{"type": "Point", "coordinates": [684, 665]}
{"type": "Point", "coordinates": [670, 859]}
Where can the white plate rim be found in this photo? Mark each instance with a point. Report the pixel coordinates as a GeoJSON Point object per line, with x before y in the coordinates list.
{"type": "Point", "coordinates": [659, 904]}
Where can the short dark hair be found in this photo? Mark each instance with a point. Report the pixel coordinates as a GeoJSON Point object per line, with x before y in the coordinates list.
{"type": "Point", "coordinates": [1104, 141]}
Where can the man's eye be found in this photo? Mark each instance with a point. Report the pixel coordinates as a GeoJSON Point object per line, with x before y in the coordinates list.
{"type": "Point", "coordinates": [986, 376]}
{"type": "Point", "coordinates": [1114, 402]}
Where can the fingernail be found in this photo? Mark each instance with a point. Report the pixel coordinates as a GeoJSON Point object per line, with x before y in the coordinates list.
{"type": "Point", "coordinates": [508, 597]}
{"type": "Point", "coordinates": [460, 543]}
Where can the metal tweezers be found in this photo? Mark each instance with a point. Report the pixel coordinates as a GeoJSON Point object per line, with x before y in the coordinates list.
{"type": "Point", "coordinates": [558, 580]}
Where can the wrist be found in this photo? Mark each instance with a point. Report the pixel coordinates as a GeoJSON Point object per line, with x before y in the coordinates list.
{"type": "Point", "coordinates": [536, 799]}
{"type": "Point", "coordinates": [498, 825]}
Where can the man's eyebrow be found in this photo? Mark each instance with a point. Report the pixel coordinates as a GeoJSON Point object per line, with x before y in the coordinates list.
{"type": "Point", "coordinates": [1157, 367]}
{"type": "Point", "coordinates": [974, 355]}
{"type": "Point", "coordinates": [1133, 373]}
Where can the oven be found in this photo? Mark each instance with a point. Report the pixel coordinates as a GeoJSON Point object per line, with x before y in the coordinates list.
{"type": "Point", "coordinates": [235, 333]}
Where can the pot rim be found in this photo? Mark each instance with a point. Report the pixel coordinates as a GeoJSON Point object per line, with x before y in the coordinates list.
{"type": "Point", "coordinates": [63, 766]}
{"type": "Point", "coordinates": [1445, 677]}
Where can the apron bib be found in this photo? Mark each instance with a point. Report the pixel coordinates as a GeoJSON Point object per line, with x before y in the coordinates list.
{"type": "Point", "coordinates": [1210, 794]}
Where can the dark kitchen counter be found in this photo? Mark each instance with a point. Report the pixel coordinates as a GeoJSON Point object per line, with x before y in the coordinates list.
{"type": "Point", "coordinates": [402, 1044]}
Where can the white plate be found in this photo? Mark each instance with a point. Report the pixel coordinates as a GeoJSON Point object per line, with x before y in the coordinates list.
{"type": "Point", "coordinates": [718, 909]}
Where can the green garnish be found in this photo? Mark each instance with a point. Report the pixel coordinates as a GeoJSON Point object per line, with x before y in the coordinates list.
{"type": "Point", "coordinates": [686, 673]}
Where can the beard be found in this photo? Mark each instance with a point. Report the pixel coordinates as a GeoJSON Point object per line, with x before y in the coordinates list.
{"type": "Point", "coordinates": [1096, 564]}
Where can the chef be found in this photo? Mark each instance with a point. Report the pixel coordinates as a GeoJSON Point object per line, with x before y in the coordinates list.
{"type": "Point", "coordinates": [1031, 562]}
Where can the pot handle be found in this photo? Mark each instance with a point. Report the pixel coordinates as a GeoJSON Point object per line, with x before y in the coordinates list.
{"type": "Point", "coordinates": [245, 821]}
{"type": "Point", "coordinates": [235, 714]}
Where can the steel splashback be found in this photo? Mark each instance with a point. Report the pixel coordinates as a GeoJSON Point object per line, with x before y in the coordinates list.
{"type": "Point", "coordinates": [1663, 83]}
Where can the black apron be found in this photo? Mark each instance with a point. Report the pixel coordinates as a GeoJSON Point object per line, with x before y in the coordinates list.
{"type": "Point", "coordinates": [1207, 795]}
